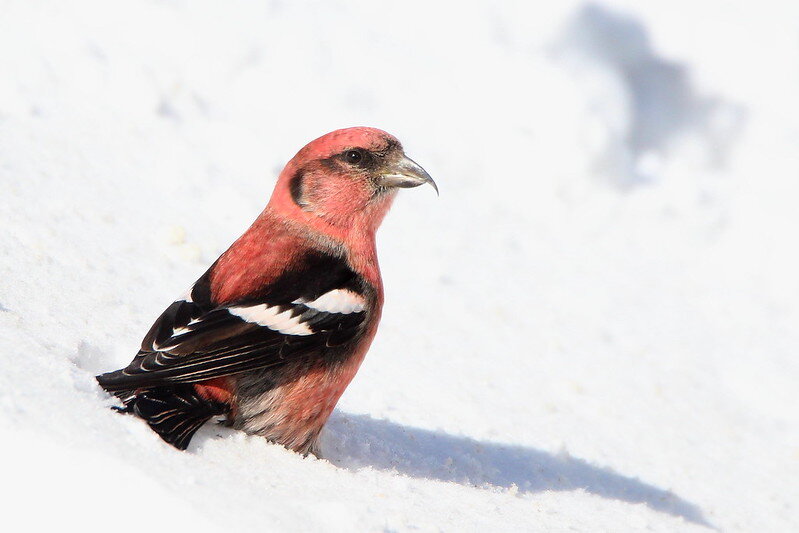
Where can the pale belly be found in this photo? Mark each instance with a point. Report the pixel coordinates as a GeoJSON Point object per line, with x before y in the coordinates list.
{"type": "Point", "coordinates": [291, 411]}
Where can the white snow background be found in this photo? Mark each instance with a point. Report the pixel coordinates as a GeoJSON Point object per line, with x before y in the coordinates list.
{"type": "Point", "coordinates": [594, 328]}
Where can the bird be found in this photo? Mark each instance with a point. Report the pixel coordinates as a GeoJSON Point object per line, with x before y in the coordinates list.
{"type": "Point", "coordinates": [268, 338]}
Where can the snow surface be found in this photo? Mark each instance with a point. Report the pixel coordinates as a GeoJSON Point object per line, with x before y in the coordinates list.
{"type": "Point", "coordinates": [594, 328]}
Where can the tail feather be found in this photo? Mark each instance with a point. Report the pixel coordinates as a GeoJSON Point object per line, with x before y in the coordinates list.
{"type": "Point", "coordinates": [174, 412]}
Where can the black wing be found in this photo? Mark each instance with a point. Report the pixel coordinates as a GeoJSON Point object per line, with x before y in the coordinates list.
{"type": "Point", "coordinates": [309, 312]}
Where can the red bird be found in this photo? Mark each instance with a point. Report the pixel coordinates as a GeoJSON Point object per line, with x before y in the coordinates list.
{"type": "Point", "coordinates": [275, 330]}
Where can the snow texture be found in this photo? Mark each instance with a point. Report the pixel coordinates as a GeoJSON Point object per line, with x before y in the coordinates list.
{"type": "Point", "coordinates": [594, 328]}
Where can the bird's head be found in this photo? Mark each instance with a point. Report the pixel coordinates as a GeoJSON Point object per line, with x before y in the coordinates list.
{"type": "Point", "coordinates": [346, 179]}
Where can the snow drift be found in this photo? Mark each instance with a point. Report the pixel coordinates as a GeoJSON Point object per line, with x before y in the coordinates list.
{"type": "Point", "coordinates": [593, 328]}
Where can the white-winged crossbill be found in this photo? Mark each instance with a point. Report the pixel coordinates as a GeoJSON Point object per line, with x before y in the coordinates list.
{"type": "Point", "coordinates": [274, 331]}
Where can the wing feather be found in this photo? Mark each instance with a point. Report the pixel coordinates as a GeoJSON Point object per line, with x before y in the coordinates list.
{"type": "Point", "coordinates": [196, 339]}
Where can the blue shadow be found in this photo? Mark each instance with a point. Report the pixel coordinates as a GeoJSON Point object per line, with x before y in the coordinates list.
{"type": "Point", "coordinates": [358, 441]}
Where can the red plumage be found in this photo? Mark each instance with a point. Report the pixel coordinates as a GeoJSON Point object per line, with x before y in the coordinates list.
{"type": "Point", "coordinates": [275, 330]}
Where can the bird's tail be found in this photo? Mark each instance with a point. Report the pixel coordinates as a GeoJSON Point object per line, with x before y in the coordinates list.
{"type": "Point", "coordinates": [174, 412]}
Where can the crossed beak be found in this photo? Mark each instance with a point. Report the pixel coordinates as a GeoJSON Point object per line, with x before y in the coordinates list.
{"type": "Point", "coordinates": [405, 173]}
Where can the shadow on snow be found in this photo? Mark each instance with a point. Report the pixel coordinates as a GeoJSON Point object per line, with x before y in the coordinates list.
{"type": "Point", "coordinates": [357, 441]}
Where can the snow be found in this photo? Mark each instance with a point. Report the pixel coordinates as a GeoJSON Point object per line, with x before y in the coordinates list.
{"type": "Point", "coordinates": [594, 327]}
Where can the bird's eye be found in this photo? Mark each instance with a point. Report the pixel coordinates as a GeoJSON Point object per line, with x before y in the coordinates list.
{"type": "Point", "coordinates": [353, 157]}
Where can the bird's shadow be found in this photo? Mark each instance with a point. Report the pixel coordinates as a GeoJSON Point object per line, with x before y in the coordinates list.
{"type": "Point", "coordinates": [357, 441]}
